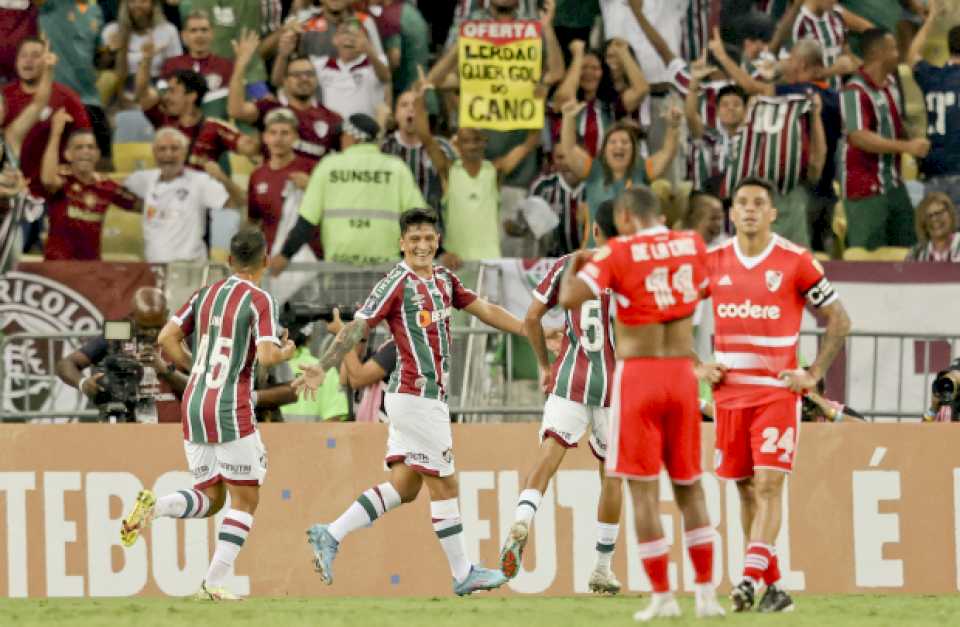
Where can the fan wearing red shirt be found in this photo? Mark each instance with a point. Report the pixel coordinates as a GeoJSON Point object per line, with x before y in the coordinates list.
{"type": "Point", "coordinates": [31, 68]}
{"type": "Point", "coordinates": [284, 174]}
{"type": "Point", "coordinates": [77, 198]}
{"type": "Point", "coordinates": [18, 22]}
{"type": "Point", "coordinates": [180, 107]}
{"type": "Point", "coordinates": [760, 283]}
{"type": "Point", "coordinates": [319, 126]}
{"type": "Point", "coordinates": [657, 277]}
{"type": "Point", "coordinates": [197, 35]}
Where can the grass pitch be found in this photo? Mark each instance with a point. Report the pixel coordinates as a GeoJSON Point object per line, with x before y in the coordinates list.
{"type": "Point", "coordinates": [812, 611]}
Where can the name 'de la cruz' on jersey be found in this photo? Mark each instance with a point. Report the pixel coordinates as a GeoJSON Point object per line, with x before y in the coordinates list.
{"type": "Point", "coordinates": [227, 320]}
{"type": "Point", "coordinates": [758, 306]}
{"type": "Point", "coordinates": [418, 312]}
{"type": "Point", "coordinates": [656, 275]}
{"type": "Point", "coordinates": [583, 372]}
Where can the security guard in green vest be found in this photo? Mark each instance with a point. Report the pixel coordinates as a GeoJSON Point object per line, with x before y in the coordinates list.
{"type": "Point", "coordinates": [355, 197]}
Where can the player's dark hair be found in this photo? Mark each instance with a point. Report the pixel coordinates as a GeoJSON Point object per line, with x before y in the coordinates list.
{"type": "Point", "coordinates": [953, 40]}
{"type": "Point", "coordinates": [735, 90]}
{"type": "Point", "coordinates": [871, 39]}
{"type": "Point", "coordinates": [604, 219]}
{"type": "Point", "coordinates": [193, 83]}
{"type": "Point", "coordinates": [640, 201]}
{"type": "Point", "coordinates": [756, 181]}
{"type": "Point", "coordinates": [248, 247]}
{"type": "Point", "coordinates": [414, 217]}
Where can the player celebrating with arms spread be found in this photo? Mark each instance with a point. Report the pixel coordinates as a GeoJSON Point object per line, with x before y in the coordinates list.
{"type": "Point", "coordinates": [417, 300]}
{"type": "Point", "coordinates": [657, 277]}
{"type": "Point", "coordinates": [234, 327]}
{"type": "Point", "coordinates": [760, 283]}
{"type": "Point", "coordinates": [579, 385]}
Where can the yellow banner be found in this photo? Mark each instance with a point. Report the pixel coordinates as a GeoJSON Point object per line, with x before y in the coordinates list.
{"type": "Point", "coordinates": [500, 67]}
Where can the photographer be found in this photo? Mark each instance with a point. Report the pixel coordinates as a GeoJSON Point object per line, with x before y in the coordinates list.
{"type": "Point", "coordinates": [161, 383]}
{"type": "Point", "coordinates": [945, 400]}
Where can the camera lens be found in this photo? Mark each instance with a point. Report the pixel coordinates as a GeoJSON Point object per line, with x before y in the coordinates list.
{"type": "Point", "coordinates": [945, 388]}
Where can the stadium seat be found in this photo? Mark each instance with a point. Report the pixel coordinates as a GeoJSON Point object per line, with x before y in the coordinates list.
{"type": "Point", "coordinates": [122, 236]}
{"type": "Point", "coordinates": [884, 253]}
{"type": "Point", "coordinates": [131, 156]}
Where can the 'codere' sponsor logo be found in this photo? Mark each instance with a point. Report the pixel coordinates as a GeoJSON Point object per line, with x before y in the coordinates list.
{"type": "Point", "coordinates": [748, 310]}
{"type": "Point", "coordinates": [31, 304]}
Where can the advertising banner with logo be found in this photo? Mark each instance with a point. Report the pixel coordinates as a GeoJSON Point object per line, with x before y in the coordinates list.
{"type": "Point", "coordinates": [58, 297]}
{"type": "Point", "coordinates": [500, 66]}
{"type": "Point", "coordinates": [870, 508]}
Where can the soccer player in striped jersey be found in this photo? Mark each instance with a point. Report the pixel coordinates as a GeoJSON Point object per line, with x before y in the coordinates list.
{"type": "Point", "coordinates": [234, 328]}
{"type": "Point", "coordinates": [760, 285]}
{"type": "Point", "coordinates": [579, 387]}
{"type": "Point", "coordinates": [417, 300]}
{"type": "Point", "coordinates": [711, 144]}
{"type": "Point", "coordinates": [657, 277]}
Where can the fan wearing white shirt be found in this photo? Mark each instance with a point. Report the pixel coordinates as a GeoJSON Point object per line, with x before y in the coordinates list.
{"type": "Point", "coordinates": [355, 80]}
{"type": "Point", "coordinates": [176, 200]}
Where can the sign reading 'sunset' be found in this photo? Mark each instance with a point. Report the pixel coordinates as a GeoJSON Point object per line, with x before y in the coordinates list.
{"type": "Point", "coordinates": [500, 66]}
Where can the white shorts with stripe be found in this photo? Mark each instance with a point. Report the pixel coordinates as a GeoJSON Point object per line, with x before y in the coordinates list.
{"type": "Point", "coordinates": [240, 462]}
{"type": "Point", "coordinates": [419, 434]}
{"type": "Point", "coordinates": [567, 421]}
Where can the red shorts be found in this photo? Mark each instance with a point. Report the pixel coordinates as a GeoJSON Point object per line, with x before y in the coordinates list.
{"type": "Point", "coordinates": [655, 420]}
{"type": "Point", "coordinates": [764, 436]}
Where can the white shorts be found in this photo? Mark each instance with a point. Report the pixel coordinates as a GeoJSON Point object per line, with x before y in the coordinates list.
{"type": "Point", "coordinates": [566, 422]}
{"type": "Point", "coordinates": [240, 462]}
{"type": "Point", "coordinates": [419, 434]}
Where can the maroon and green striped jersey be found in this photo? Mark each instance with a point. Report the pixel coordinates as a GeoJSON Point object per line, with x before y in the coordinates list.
{"type": "Point", "coordinates": [583, 371]}
{"type": "Point", "coordinates": [868, 106]}
{"type": "Point", "coordinates": [772, 143]}
{"type": "Point", "coordinates": [226, 321]}
{"type": "Point", "coordinates": [418, 312]}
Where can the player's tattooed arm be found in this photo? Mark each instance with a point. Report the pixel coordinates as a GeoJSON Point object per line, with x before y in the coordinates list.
{"type": "Point", "coordinates": [838, 326]}
{"type": "Point", "coordinates": [348, 337]}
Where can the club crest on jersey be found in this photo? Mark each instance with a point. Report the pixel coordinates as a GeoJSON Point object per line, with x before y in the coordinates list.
{"type": "Point", "coordinates": [320, 128]}
{"type": "Point", "coordinates": [774, 278]}
{"type": "Point", "coordinates": [425, 317]}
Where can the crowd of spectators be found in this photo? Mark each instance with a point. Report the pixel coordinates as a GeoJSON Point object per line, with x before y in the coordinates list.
{"type": "Point", "coordinates": [321, 120]}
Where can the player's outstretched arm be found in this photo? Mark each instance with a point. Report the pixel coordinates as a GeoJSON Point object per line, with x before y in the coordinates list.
{"type": "Point", "coordinates": [269, 354]}
{"type": "Point", "coordinates": [496, 316]}
{"type": "Point", "coordinates": [312, 376]}
{"type": "Point", "coordinates": [838, 326]}
{"type": "Point", "coordinates": [171, 341]}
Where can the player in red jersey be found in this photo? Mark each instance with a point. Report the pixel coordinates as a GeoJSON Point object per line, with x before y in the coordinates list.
{"type": "Point", "coordinates": [579, 386]}
{"type": "Point", "coordinates": [760, 283]}
{"type": "Point", "coordinates": [657, 277]}
{"type": "Point", "coordinates": [234, 328]}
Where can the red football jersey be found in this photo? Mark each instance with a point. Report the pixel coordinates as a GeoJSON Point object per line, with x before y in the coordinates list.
{"type": "Point", "coordinates": [267, 191]}
{"type": "Point", "coordinates": [209, 138]}
{"type": "Point", "coordinates": [319, 127]}
{"type": "Point", "coordinates": [217, 70]}
{"type": "Point", "coordinates": [657, 275]}
{"type": "Point", "coordinates": [18, 20]}
{"type": "Point", "coordinates": [76, 214]}
{"type": "Point", "coordinates": [757, 308]}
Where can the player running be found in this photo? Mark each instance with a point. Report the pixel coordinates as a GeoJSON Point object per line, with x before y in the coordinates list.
{"type": "Point", "coordinates": [657, 277]}
{"type": "Point", "coordinates": [579, 385]}
{"type": "Point", "coordinates": [417, 300]}
{"type": "Point", "coordinates": [234, 327]}
{"type": "Point", "coordinates": [760, 283]}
